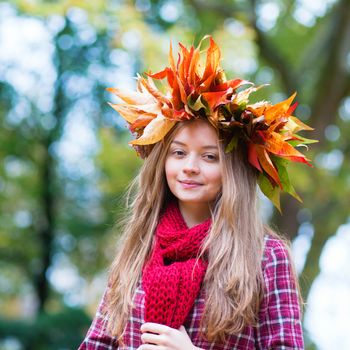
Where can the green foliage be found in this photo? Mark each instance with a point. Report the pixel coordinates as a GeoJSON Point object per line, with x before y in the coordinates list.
{"type": "Point", "coordinates": [49, 211]}
{"type": "Point", "coordinates": [117, 162]}
{"type": "Point", "coordinates": [63, 329]}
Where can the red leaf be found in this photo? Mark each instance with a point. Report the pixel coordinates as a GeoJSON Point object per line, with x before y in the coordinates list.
{"type": "Point", "coordinates": [253, 157]}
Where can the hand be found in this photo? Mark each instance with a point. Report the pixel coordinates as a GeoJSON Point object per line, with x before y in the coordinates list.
{"type": "Point", "coordinates": [166, 338]}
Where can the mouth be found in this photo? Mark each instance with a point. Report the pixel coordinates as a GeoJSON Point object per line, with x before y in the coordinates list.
{"type": "Point", "coordinates": [189, 183]}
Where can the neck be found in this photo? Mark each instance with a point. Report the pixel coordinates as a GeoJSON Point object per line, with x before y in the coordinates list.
{"type": "Point", "coordinates": [194, 213]}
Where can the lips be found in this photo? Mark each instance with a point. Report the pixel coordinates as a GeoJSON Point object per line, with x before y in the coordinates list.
{"type": "Point", "coordinates": [188, 184]}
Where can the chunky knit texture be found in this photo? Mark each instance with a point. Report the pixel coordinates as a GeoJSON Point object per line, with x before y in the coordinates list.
{"type": "Point", "coordinates": [172, 277]}
{"type": "Point", "coordinates": [279, 319]}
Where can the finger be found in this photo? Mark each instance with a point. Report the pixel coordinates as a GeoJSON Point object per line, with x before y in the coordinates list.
{"type": "Point", "coordinates": [152, 338]}
{"type": "Point", "coordinates": [155, 328]}
{"type": "Point", "coordinates": [148, 347]}
{"type": "Point", "coordinates": [182, 329]}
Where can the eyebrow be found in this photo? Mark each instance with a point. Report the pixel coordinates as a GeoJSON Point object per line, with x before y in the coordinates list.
{"type": "Point", "coordinates": [205, 147]}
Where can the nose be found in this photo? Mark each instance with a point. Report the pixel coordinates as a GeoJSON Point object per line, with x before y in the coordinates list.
{"type": "Point", "coordinates": [191, 165]}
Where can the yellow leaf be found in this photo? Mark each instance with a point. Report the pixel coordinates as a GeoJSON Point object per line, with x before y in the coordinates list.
{"type": "Point", "coordinates": [154, 131]}
{"type": "Point", "coordinates": [132, 97]}
{"type": "Point", "coordinates": [243, 96]}
{"type": "Point", "coordinates": [131, 113]}
{"type": "Point", "coordinates": [295, 125]}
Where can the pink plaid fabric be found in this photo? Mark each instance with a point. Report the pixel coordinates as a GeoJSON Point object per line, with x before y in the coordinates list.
{"type": "Point", "coordinates": [279, 317]}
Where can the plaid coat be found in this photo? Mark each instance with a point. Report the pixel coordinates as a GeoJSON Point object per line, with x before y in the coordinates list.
{"type": "Point", "coordinates": [279, 317]}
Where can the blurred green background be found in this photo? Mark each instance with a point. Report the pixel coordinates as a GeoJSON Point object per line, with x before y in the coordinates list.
{"type": "Point", "coordinates": [65, 163]}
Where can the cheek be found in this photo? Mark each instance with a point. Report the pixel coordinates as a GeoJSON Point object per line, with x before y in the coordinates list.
{"type": "Point", "coordinates": [169, 170]}
{"type": "Point", "coordinates": [215, 176]}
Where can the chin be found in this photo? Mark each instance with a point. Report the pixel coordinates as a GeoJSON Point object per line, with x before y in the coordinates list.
{"type": "Point", "coordinates": [192, 200]}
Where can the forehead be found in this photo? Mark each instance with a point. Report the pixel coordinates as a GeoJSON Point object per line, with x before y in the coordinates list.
{"type": "Point", "coordinates": [197, 133]}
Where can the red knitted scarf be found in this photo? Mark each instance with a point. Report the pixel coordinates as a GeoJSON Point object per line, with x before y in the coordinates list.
{"type": "Point", "coordinates": [172, 278]}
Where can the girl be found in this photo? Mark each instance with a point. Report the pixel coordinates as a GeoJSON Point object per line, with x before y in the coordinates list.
{"type": "Point", "coordinates": [196, 268]}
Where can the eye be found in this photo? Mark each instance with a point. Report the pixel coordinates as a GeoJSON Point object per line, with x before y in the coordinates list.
{"type": "Point", "coordinates": [178, 153]}
{"type": "Point", "coordinates": [211, 157]}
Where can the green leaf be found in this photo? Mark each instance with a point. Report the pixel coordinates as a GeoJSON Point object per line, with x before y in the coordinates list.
{"type": "Point", "coordinates": [302, 141]}
{"type": "Point", "coordinates": [198, 104]}
{"type": "Point", "coordinates": [232, 145]}
{"type": "Point", "coordinates": [271, 192]}
{"type": "Point", "coordinates": [281, 165]}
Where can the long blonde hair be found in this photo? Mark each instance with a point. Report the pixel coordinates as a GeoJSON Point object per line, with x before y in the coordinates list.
{"type": "Point", "coordinates": [234, 245]}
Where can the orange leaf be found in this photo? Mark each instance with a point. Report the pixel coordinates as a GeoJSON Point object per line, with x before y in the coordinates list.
{"type": "Point", "coordinates": [160, 75]}
{"type": "Point", "coordinates": [182, 92]}
{"type": "Point", "coordinates": [176, 96]}
{"type": "Point", "coordinates": [141, 121]}
{"type": "Point", "coordinates": [180, 115]}
{"type": "Point", "coordinates": [211, 65]}
{"type": "Point", "coordinates": [192, 70]}
{"type": "Point", "coordinates": [215, 98]}
{"type": "Point", "coordinates": [182, 63]}
{"type": "Point", "coordinates": [278, 109]}
{"type": "Point", "coordinates": [234, 84]}
{"type": "Point", "coordinates": [266, 163]}
{"type": "Point", "coordinates": [171, 58]}
{"type": "Point", "coordinates": [275, 144]}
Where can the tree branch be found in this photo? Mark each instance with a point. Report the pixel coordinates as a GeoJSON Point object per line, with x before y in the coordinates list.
{"type": "Point", "coordinates": [270, 53]}
{"type": "Point", "coordinates": [217, 7]}
{"type": "Point", "coordinates": [334, 81]}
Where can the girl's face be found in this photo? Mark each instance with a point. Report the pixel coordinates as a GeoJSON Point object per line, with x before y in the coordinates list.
{"type": "Point", "coordinates": [192, 166]}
